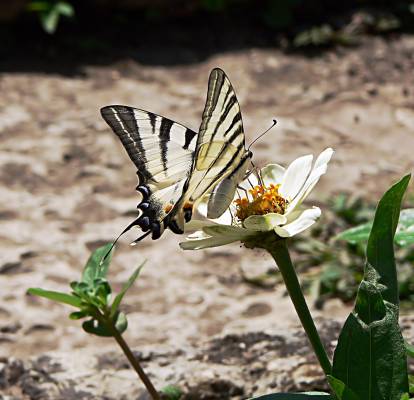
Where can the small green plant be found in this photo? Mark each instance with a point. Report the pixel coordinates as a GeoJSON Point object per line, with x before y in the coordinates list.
{"type": "Point", "coordinates": [50, 12]}
{"type": "Point", "coordinates": [93, 298]}
{"type": "Point", "coordinates": [370, 358]}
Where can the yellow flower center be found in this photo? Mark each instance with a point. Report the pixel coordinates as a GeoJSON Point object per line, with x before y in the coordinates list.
{"type": "Point", "coordinates": [266, 199]}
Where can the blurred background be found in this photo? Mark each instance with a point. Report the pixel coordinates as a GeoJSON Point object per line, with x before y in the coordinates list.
{"type": "Point", "coordinates": [216, 322]}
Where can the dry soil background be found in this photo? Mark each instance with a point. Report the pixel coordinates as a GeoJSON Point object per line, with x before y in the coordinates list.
{"type": "Point", "coordinates": [67, 186]}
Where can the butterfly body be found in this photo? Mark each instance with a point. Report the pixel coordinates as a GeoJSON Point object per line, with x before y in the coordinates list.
{"type": "Point", "coordinates": [176, 166]}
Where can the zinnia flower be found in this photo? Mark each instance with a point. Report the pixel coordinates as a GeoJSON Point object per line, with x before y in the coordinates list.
{"type": "Point", "coordinates": [272, 202]}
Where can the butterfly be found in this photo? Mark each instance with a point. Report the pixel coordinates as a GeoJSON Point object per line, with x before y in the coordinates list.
{"type": "Point", "coordinates": [176, 166]}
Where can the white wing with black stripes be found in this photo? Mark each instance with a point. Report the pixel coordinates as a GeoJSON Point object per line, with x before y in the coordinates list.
{"type": "Point", "coordinates": [176, 170]}
{"type": "Point", "coordinates": [163, 152]}
{"type": "Point", "coordinates": [221, 154]}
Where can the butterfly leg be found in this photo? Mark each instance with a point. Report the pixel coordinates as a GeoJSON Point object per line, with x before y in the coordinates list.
{"type": "Point", "coordinates": [242, 189]}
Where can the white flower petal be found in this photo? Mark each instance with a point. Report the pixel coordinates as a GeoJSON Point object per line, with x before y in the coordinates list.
{"type": "Point", "coordinates": [304, 221]}
{"type": "Point", "coordinates": [224, 219]}
{"type": "Point", "coordinates": [197, 224]}
{"type": "Point", "coordinates": [201, 208]}
{"type": "Point", "coordinates": [197, 235]}
{"type": "Point", "coordinates": [199, 218]}
{"type": "Point", "coordinates": [214, 236]}
{"type": "Point", "coordinates": [291, 216]}
{"type": "Point", "coordinates": [264, 222]}
{"type": "Point", "coordinates": [324, 157]}
{"type": "Point", "coordinates": [320, 167]}
{"type": "Point", "coordinates": [272, 173]}
{"type": "Point", "coordinates": [212, 241]}
{"type": "Point", "coordinates": [227, 231]}
{"type": "Point", "coordinates": [295, 177]}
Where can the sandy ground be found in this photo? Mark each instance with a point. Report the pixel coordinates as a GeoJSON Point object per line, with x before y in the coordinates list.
{"type": "Point", "coordinates": [68, 186]}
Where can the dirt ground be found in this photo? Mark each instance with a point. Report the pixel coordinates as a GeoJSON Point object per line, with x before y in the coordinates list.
{"type": "Point", "coordinates": [68, 186]}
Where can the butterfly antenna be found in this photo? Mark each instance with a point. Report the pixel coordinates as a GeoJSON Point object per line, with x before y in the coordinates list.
{"type": "Point", "coordinates": [262, 134]}
{"type": "Point", "coordinates": [251, 184]}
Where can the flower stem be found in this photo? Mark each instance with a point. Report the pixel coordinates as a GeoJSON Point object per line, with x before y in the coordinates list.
{"type": "Point", "coordinates": [131, 358]}
{"type": "Point", "coordinates": [280, 253]}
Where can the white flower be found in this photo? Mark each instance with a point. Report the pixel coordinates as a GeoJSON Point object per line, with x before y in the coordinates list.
{"type": "Point", "coordinates": [274, 204]}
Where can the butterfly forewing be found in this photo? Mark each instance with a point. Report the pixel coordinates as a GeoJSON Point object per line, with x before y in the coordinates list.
{"type": "Point", "coordinates": [220, 147]}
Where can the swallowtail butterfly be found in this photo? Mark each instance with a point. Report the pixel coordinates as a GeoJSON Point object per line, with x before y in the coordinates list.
{"type": "Point", "coordinates": [176, 166]}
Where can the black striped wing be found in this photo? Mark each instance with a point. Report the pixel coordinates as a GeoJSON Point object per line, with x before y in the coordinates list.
{"type": "Point", "coordinates": [220, 148]}
{"type": "Point", "coordinates": [221, 141]}
{"type": "Point", "coordinates": [163, 152]}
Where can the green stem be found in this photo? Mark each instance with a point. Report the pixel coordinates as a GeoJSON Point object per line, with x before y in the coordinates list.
{"type": "Point", "coordinates": [130, 356]}
{"type": "Point", "coordinates": [280, 253]}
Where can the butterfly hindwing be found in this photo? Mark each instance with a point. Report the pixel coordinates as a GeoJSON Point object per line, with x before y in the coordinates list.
{"type": "Point", "coordinates": [163, 152]}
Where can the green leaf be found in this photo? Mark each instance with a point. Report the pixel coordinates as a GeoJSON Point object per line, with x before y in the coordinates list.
{"type": "Point", "coordinates": [341, 391]}
{"type": "Point", "coordinates": [50, 13]}
{"type": "Point", "coordinates": [78, 287]}
{"type": "Point", "coordinates": [60, 297]}
{"type": "Point", "coordinates": [49, 20]}
{"type": "Point", "coordinates": [121, 323]}
{"type": "Point", "coordinates": [65, 9]}
{"type": "Point", "coordinates": [96, 293]}
{"type": "Point", "coordinates": [98, 264]}
{"type": "Point", "coordinates": [121, 294]}
{"type": "Point", "coordinates": [102, 291]}
{"type": "Point", "coordinates": [404, 239]}
{"type": "Point", "coordinates": [94, 327]}
{"type": "Point", "coordinates": [38, 6]}
{"type": "Point", "coordinates": [78, 315]}
{"type": "Point", "coordinates": [411, 383]}
{"type": "Point", "coordinates": [171, 392]}
{"type": "Point", "coordinates": [370, 358]}
{"type": "Point", "coordinates": [295, 396]}
{"type": "Point", "coordinates": [357, 234]}
{"type": "Point", "coordinates": [404, 235]}
{"type": "Point", "coordinates": [405, 230]}
{"type": "Point", "coordinates": [380, 249]}
{"type": "Point", "coordinates": [409, 348]}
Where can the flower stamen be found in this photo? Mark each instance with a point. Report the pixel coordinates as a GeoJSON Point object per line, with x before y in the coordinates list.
{"type": "Point", "coordinates": [265, 200]}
